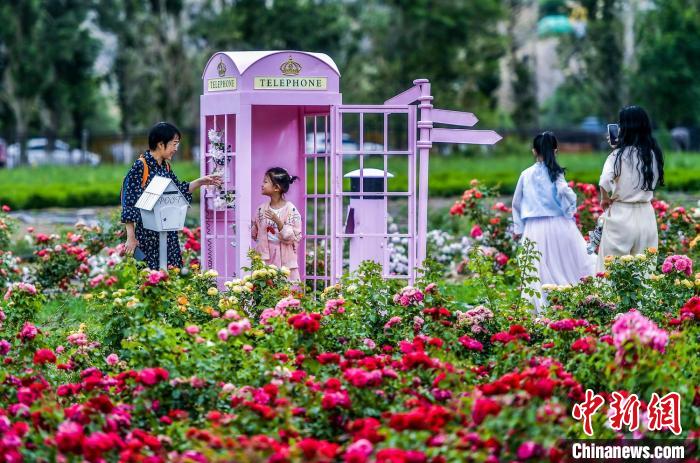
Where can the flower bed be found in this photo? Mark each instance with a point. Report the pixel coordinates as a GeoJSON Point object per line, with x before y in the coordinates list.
{"type": "Point", "coordinates": [168, 368]}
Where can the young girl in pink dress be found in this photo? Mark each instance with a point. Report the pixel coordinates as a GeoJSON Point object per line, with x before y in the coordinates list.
{"type": "Point", "coordinates": [277, 223]}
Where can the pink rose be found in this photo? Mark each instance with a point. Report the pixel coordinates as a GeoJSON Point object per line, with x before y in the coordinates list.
{"type": "Point", "coordinates": [529, 450]}
{"type": "Point", "coordinates": [501, 259]}
{"type": "Point", "coordinates": [28, 332]}
{"type": "Point", "coordinates": [223, 334]}
{"type": "Point", "coordinates": [476, 232]}
{"type": "Point", "coordinates": [192, 329]}
{"type": "Point", "coordinates": [112, 359]}
{"type": "Point", "coordinates": [4, 347]}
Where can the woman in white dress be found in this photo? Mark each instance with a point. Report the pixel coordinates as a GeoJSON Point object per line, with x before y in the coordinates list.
{"type": "Point", "coordinates": [543, 212]}
{"type": "Point", "coordinates": [630, 175]}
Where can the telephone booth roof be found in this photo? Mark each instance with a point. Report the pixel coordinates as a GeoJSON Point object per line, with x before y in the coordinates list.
{"type": "Point", "coordinates": [270, 72]}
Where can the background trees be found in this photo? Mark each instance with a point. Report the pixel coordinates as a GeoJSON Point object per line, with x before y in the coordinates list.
{"type": "Point", "coordinates": [120, 65]}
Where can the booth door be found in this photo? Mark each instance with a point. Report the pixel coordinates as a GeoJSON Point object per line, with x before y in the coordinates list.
{"type": "Point", "coordinates": [374, 189]}
{"type": "Point", "coordinates": [218, 205]}
{"type": "Point", "coordinates": [316, 142]}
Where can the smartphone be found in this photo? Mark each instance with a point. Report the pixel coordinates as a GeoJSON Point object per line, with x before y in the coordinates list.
{"type": "Point", "coordinates": [613, 133]}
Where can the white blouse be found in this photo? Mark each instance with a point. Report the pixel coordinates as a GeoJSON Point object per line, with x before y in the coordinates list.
{"type": "Point", "coordinates": [628, 186]}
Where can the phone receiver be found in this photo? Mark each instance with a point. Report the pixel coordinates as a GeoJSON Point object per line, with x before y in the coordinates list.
{"type": "Point", "coordinates": [139, 254]}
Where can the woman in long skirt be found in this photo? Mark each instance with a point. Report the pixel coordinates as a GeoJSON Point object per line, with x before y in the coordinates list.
{"type": "Point", "coordinates": [543, 212]}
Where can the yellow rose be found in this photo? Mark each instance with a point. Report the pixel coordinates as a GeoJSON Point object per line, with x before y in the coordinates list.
{"type": "Point", "coordinates": [548, 287]}
{"type": "Point", "coordinates": [87, 297]}
{"type": "Point", "coordinates": [213, 291]}
{"type": "Point", "coordinates": [687, 283]}
{"type": "Point", "coordinates": [641, 257]}
{"type": "Point", "coordinates": [182, 300]}
{"type": "Point", "coordinates": [626, 258]}
{"type": "Point", "coordinates": [257, 274]}
{"type": "Point", "coordinates": [131, 304]}
{"type": "Point", "coordinates": [697, 282]}
{"type": "Point", "coordinates": [286, 271]}
{"type": "Point", "coordinates": [249, 285]}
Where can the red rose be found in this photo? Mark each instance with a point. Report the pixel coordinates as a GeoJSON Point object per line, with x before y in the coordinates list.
{"type": "Point", "coordinates": [471, 343]}
{"type": "Point", "coordinates": [69, 437]}
{"type": "Point", "coordinates": [151, 376]}
{"type": "Point", "coordinates": [484, 407]}
{"type": "Point", "coordinates": [43, 356]}
{"type": "Point", "coordinates": [585, 345]}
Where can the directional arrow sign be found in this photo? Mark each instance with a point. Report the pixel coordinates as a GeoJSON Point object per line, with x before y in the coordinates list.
{"type": "Point", "coordinates": [472, 137]}
{"type": "Point", "coordinates": [444, 116]}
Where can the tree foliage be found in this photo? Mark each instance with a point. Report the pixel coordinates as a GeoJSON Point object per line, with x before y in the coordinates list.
{"type": "Point", "coordinates": [669, 62]}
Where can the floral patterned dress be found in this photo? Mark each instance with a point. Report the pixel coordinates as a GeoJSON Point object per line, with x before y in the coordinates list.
{"type": "Point", "coordinates": [149, 239]}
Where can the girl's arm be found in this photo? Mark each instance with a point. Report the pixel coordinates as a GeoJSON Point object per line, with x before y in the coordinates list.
{"type": "Point", "coordinates": [607, 181]}
{"type": "Point", "coordinates": [566, 197]}
{"type": "Point", "coordinates": [291, 231]}
{"type": "Point", "coordinates": [254, 227]}
{"type": "Point", "coordinates": [517, 204]}
{"type": "Point", "coordinates": [604, 199]}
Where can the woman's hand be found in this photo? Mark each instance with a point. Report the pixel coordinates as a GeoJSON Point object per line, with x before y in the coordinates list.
{"type": "Point", "coordinates": [272, 216]}
{"type": "Point", "coordinates": [131, 242]}
{"type": "Point", "coordinates": [208, 180]}
{"type": "Point", "coordinates": [130, 245]}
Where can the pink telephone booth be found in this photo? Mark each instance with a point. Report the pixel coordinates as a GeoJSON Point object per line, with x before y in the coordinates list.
{"type": "Point", "coordinates": [363, 168]}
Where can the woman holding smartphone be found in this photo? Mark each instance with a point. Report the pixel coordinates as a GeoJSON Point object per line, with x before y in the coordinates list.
{"type": "Point", "coordinates": [630, 175]}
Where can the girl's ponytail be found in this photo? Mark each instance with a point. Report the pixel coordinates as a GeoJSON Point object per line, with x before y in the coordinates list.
{"type": "Point", "coordinates": [545, 144]}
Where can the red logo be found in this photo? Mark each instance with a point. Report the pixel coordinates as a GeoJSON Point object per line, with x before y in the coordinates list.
{"type": "Point", "coordinates": [584, 411]}
{"type": "Point", "coordinates": [664, 412]}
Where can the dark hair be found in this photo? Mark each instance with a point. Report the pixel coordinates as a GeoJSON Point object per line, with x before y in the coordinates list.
{"type": "Point", "coordinates": [635, 132]}
{"type": "Point", "coordinates": [281, 178]}
{"type": "Point", "coordinates": [544, 144]}
{"type": "Point", "coordinates": [162, 132]}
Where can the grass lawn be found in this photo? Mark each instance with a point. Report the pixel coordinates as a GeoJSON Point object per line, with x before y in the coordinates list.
{"type": "Point", "coordinates": [80, 186]}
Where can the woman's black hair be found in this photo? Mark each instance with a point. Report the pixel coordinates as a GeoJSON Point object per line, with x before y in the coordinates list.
{"type": "Point", "coordinates": [281, 178]}
{"type": "Point", "coordinates": [635, 132]}
{"type": "Point", "coordinates": [162, 132]}
{"type": "Point", "coordinates": [544, 144]}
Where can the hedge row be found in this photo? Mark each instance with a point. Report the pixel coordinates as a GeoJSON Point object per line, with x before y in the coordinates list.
{"type": "Point", "coordinates": [83, 186]}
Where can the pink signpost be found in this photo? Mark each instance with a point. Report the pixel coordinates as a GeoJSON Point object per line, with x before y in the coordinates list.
{"type": "Point", "coordinates": [363, 168]}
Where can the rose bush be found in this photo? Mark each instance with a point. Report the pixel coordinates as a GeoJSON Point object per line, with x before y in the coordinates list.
{"type": "Point", "coordinates": [168, 367]}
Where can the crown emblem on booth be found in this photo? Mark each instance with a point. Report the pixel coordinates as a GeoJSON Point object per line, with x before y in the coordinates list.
{"type": "Point", "coordinates": [222, 68]}
{"type": "Point", "coordinates": [290, 67]}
